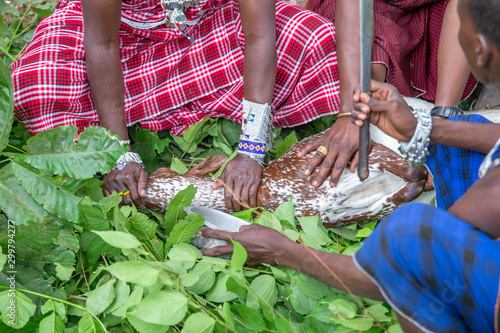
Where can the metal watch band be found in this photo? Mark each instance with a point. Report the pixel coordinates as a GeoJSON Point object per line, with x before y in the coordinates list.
{"type": "Point", "coordinates": [445, 111]}
{"type": "Point", "coordinates": [127, 158]}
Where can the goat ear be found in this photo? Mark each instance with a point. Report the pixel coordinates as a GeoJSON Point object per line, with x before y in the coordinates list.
{"type": "Point", "coordinates": [210, 164]}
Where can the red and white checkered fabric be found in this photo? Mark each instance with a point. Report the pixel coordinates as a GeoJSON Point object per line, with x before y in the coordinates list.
{"type": "Point", "coordinates": [170, 82]}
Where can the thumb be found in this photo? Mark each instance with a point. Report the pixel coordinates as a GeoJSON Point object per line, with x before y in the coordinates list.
{"type": "Point", "coordinates": [219, 182]}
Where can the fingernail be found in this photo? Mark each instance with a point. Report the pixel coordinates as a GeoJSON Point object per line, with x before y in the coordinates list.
{"type": "Point", "coordinates": [315, 183]}
{"type": "Point", "coordinates": [332, 184]}
{"type": "Point", "coordinates": [307, 172]}
{"type": "Point", "coordinates": [199, 233]}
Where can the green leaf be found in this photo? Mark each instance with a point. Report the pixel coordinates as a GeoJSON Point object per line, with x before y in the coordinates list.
{"type": "Point", "coordinates": [288, 142]}
{"type": "Point", "coordinates": [64, 272]}
{"type": "Point", "coordinates": [282, 326]}
{"type": "Point", "coordinates": [265, 287]}
{"type": "Point", "coordinates": [101, 298]}
{"type": "Point", "coordinates": [227, 315]}
{"type": "Point", "coordinates": [162, 308]}
{"type": "Point", "coordinates": [143, 327]}
{"type": "Point", "coordinates": [343, 308]}
{"type": "Point", "coordinates": [3, 259]}
{"type": "Point", "coordinates": [6, 105]}
{"type": "Point", "coordinates": [346, 232]}
{"type": "Point", "coordinates": [15, 308]}
{"type": "Point", "coordinates": [206, 280]}
{"type": "Point", "coordinates": [185, 146]}
{"type": "Point", "coordinates": [185, 230]}
{"type": "Point", "coordinates": [313, 227]}
{"type": "Point", "coordinates": [352, 249]}
{"type": "Point", "coordinates": [286, 212]}
{"type": "Point", "coordinates": [199, 323]}
{"type": "Point", "coordinates": [144, 143]}
{"type": "Point", "coordinates": [175, 207]}
{"type": "Point", "coordinates": [137, 272]}
{"type": "Point", "coordinates": [55, 306]}
{"type": "Point", "coordinates": [122, 292]}
{"type": "Point", "coordinates": [359, 324]}
{"type": "Point", "coordinates": [18, 204]}
{"type": "Point", "coordinates": [67, 238]}
{"type": "Point", "coordinates": [133, 300]}
{"type": "Point", "coordinates": [231, 131]}
{"type": "Point", "coordinates": [379, 311]}
{"type": "Point", "coordinates": [55, 151]}
{"type": "Point", "coordinates": [52, 324]}
{"type": "Point", "coordinates": [363, 233]}
{"type": "Point", "coordinates": [312, 287]}
{"type": "Point", "coordinates": [142, 227]}
{"type": "Point", "coordinates": [239, 257]}
{"type": "Point", "coordinates": [186, 253]}
{"type": "Point", "coordinates": [219, 292]}
{"type": "Point", "coordinates": [53, 198]}
{"type": "Point", "coordinates": [395, 329]}
{"type": "Point", "coordinates": [268, 219]}
{"type": "Point", "coordinates": [251, 318]}
{"type": "Point", "coordinates": [32, 238]}
{"type": "Point", "coordinates": [302, 303]}
{"type": "Point", "coordinates": [119, 239]}
{"type": "Point", "coordinates": [178, 166]}
{"type": "Point", "coordinates": [191, 133]}
{"type": "Point", "coordinates": [223, 146]}
{"type": "Point", "coordinates": [87, 324]}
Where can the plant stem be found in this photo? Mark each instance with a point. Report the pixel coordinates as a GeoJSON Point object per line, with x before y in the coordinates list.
{"type": "Point", "coordinates": [7, 54]}
{"type": "Point", "coordinates": [18, 26]}
{"type": "Point", "coordinates": [18, 149]}
{"type": "Point", "coordinates": [58, 300]}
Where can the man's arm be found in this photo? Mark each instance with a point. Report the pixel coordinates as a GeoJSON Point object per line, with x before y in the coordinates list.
{"type": "Point", "coordinates": [104, 67]}
{"type": "Point", "coordinates": [393, 116]}
{"type": "Point", "coordinates": [242, 175]}
{"type": "Point", "coordinates": [105, 74]}
{"type": "Point", "coordinates": [266, 245]}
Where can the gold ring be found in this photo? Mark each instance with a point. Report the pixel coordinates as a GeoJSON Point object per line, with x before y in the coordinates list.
{"type": "Point", "coordinates": [322, 150]}
{"type": "Point", "coordinates": [345, 114]}
{"type": "Point", "coordinates": [124, 193]}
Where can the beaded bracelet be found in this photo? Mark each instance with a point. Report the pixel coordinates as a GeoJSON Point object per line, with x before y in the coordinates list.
{"type": "Point", "coordinates": [255, 130]}
{"type": "Point", "coordinates": [416, 150]}
{"type": "Point", "coordinates": [491, 160]}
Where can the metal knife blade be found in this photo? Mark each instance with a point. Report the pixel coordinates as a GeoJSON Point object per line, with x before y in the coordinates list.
{"type": "Point", "coordinates": [217, 220]}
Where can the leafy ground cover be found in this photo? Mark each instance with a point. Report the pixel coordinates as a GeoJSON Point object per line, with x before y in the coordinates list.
{"type": "Point", "coordinates": [84, 263]}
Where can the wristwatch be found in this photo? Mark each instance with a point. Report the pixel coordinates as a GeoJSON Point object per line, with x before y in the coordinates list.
{"type": "Point", "coordinates": [127, 158]}
{"type": "Point", "coordinates": [445, 111]}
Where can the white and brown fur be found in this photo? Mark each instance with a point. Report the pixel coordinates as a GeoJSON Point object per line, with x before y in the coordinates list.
{"type": "Point", "coordinates": [392, 182]}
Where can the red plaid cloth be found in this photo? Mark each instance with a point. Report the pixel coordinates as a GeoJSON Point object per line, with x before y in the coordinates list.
{"type": "Point", "coordinates": [171, 83]}
{"type": "Point", "coordinates": [406, 41]}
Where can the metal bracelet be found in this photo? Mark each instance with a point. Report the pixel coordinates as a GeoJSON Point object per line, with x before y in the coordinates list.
{"type": "Point", "coordinates": [127, 158]}
{"type": "Point", "coordinates": [491, 160]}
{"type": "Point", "coordinates": [255, 138]}
{"type": "Point", "coordinates": [416, 150]}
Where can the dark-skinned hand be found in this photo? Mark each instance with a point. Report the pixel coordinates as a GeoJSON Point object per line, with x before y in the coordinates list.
{"type": "Point", "coordinates": [342, 143]}
{"type": "Point", "coordinates": [241, 179]}
{"type": "Point", "coordinates": [263, 244]}
{"type": "Point", "coordinates": [389, 111]}
{"type": "Point", "coordinates": [132, 177]}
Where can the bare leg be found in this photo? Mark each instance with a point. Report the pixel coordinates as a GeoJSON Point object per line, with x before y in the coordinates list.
{"type": "Point", "coordinates": [452, 75]}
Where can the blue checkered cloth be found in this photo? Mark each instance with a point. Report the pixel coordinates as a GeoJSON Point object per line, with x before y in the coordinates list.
{"type": "Point", "coordinates": [454, 169]}
{"type": "Point", "coordinates": [434, 269]}
{"type": "Point", "coordinates": [439, 272]}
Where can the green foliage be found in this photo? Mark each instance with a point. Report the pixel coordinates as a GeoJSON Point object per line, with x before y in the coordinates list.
{"type": "Point", "coordinates": [85, 264]}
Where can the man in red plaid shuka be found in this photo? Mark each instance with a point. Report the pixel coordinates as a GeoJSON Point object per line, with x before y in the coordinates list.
{"type": "Point", "coordinates": [116, 63]}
